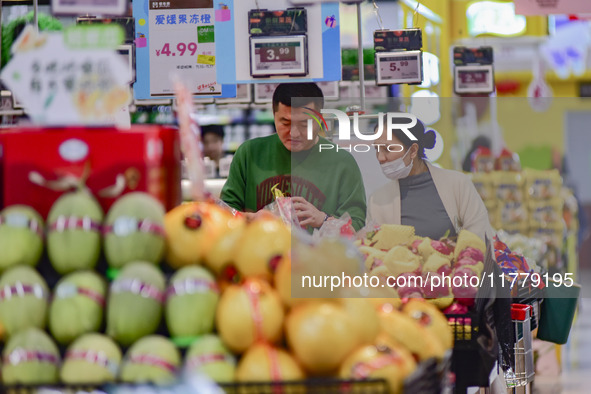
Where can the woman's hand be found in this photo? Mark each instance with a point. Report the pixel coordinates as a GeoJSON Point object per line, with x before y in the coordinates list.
{"type": "Point", "coordinates": [307, 214]}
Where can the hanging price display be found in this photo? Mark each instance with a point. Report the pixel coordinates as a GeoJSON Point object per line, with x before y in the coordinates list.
{"type": "Point", "coordinates": [176, 38]}
{"type": "Point", "coordinates": [473, 70]}
{"type": "Point", "coordinates": [402, 67]}
{"type": "Point", "coordinates": [278, 56]}
{"type": "Point", "coordinates": [182, 41]}
{"type": "Point", "coordinates": [399, 59]}
{"type": "Point", "coordinates": [278, 42]}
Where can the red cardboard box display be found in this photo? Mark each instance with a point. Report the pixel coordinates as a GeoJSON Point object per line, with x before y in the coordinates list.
{"type": "Point", "coordinates": [42, 163]}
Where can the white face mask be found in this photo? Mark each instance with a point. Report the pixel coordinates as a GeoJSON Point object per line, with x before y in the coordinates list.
{"type": "Point", "coordinates": [396, 169]}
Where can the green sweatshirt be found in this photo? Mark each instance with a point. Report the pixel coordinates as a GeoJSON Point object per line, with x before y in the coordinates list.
{"type": "Point", "coordinates": [328, 179]}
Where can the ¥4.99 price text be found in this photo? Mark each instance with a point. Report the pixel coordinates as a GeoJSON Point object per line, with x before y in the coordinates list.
{"type": "Point", "coordinates": [181, 49]}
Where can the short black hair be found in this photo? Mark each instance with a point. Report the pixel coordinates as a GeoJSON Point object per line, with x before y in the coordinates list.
{"type": "Point", "coordinates": [213, 129]}
{"type": "Point", "coordinates": [425, 138]}
{"type": "Point", "coordinates": [285, 92]}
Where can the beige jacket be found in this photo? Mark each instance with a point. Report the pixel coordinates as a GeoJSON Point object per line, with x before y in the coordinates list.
{"type": "Point", "coordinates": [459, 196]}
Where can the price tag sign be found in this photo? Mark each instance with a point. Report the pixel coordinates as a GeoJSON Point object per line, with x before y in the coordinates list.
{"type": "Point", "coordinates": [66, 77]}
{"type": "Point", "coordinates": [474, 79]}
{"type": "Point", "coordinates": [283, 55]}
{"type": "Point", "coordinates": [404, 67]}
{"type": "Point", "coordinates": [263, 92]}
{"type": "Point", "coordinates": [182, 40]}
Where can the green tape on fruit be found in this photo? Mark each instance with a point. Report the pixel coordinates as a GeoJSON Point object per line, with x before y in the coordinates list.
{"type": "Point", "coordinates": [184, 342]}
{"type": "Point", "coordinates": [113, 273]}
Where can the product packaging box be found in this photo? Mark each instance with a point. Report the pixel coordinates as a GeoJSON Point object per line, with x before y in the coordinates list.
{"type": "Point", "coordinates": [38, 165]}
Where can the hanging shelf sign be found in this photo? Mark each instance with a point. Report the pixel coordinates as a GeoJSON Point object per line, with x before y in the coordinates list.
{"type": "Point", "coordinates": [399, 58]}
{"type": "Point", "coordinates": [473, 70]}
{"type": "Point", "coordinates": [176, 37]}
{"type": "Point", "coordinates": [269, 41]}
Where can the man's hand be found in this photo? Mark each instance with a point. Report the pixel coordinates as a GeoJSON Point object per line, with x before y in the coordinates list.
{"type": "Point", "coordinates": [307, 214]}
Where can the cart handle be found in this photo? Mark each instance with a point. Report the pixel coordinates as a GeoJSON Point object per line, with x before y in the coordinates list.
{"type": "Point", "coordinates": [520, 312]}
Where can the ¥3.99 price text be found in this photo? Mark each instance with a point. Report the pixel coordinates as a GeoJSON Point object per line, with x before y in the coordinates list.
{"type": "Point", "coordinates": [189, 48]}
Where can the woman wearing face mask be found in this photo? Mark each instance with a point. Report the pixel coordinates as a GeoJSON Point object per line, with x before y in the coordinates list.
{"type": "Point", "coordinates": [431, 199]}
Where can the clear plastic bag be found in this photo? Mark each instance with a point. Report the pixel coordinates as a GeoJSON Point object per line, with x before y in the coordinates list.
{"type": "Point", "coordinates": [336, 227]}
{"type": "Point", "coordinates": [283, 207]}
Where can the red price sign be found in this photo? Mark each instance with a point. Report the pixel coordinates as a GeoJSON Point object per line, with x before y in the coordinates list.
{"type": "Point", "coordinates": [181, 49]}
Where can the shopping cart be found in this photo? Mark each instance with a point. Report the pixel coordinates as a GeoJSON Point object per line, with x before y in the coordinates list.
{"type": "Point", "coordinates": [523, 352]}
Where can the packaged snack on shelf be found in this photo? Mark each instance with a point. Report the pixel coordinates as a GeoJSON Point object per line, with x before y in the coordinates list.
{"type": "Point", "coordinates": [570, 209]}
{"type": "Point", "coordinates": [542, 185]}
{"type": "Point", "coordinates": [515, 228]}
{"type": "Point", "coordinates": [507, 161]}
{"type": "Point", "coordinates": [508, 213]}
{"type": "Point", "coordinates": [545, 212]}
{"type": "Point", "coordinates": [482, 160]}
{"type": "Point", "coordinates": [491, 205]}
{"type": "Point", "coordinates": [484, 184]}
{"type": "Point", "coordinates": [551, 235]}
{"type": "Point", "coordinates": [508, 186]}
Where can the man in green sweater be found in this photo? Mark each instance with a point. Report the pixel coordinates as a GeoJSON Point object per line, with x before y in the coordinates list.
{"type": "Point", "coordinates": [323, 181]}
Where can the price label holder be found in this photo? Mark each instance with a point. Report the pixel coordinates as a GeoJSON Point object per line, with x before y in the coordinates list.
{"type": "Point", "coordinates": [398, 58]}
{"type": "Point", "coordinates": [474, 79]}
{"type": "Point", "coordinates": [473, 70]}
{"type": "Point", "coordinates": [263, 92]}
{"type": "Point", "coordinates": [402, 67]}
{"type": "Point", "coordinates": [282, 55]}
{"type": "Point", "coordinates": [278, 43]}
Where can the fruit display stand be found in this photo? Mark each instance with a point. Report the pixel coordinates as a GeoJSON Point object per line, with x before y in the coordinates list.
{"type": "Point", "coordinates": [139, 303]}
{"type": "Point", "coordinates": [111, 268]}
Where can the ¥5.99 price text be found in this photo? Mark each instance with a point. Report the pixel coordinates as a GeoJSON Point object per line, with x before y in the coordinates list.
{"type": "Point", "coordinates": [181, 49]}
{"type": "Point", "coordinates": [396, 67]}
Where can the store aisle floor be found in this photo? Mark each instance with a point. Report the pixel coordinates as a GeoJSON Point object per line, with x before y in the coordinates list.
{"type": "Point", "coordinates": [576, 354]}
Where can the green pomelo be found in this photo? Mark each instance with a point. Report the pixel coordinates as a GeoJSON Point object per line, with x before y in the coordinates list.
{"type": "Point", "coordinates": [126, 243]}
{"type": "Point", "coordinates": [92, 358]}
{"type": "Point", "coordinates": [134, 314]}
{"type": "Point", "coordinates": [151, 360]}
{"type": "Point", "coordinates": [209, 356]}
{"type": "Point", "coordinates": [32, 358]}
{"type": "Point", "coordinates": [191, 311]}
{"type": "Point", "coordinates": [74, 311]}
{"type": "Point", "coordinates": [24, 299]}
{"type": "Point", "coordinates": [19, 244]}
{"type": "Point", "coordinates": [75, 248]}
